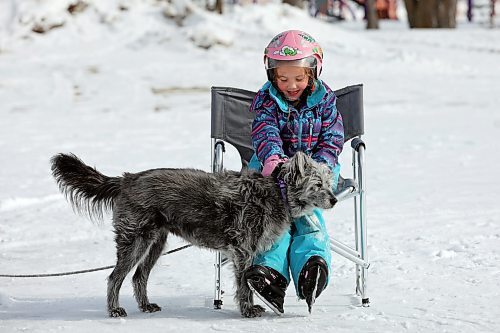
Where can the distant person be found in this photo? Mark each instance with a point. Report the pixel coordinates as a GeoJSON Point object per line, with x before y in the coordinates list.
{"type": "Point", "coordinates": [295, 111]}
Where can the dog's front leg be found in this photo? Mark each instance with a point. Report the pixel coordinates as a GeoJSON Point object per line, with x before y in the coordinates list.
{"type": "Point", "coordinates": [244, 296]}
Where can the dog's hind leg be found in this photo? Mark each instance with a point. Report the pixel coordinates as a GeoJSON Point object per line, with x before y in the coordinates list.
{"type": "Point", "coordinates": [123, 265]}
{"type": "Point", "coordinates": [140, 279]}
{"type": "Point", "coordinates": [129, 253]}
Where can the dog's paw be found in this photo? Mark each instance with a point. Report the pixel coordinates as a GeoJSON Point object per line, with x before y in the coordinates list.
{"type": "Point", "coordinates": [253, 311]}
{"type": "Point", "coordinates": [260, 308]}
{"type": "Point", "coordinates": [117, 312]}
{"type": "Point", "coordinates": [151, 307]}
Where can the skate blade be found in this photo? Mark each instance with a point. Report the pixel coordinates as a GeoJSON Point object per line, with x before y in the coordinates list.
{"type": "Point", "coordinates": [269, 304]}
{"type": "Point", "coordinates": [310, 304]}
{"type": "Point", "coordinates": [313, 298]}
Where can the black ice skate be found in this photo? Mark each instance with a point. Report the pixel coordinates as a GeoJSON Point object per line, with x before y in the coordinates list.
{"type": "Point", "coordinates": [312, 280]}
{"type": "Point", "coordinates": [269, 285]}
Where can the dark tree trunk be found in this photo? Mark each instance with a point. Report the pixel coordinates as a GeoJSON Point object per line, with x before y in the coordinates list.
{"type": "Point", "coordinates": [217, 7]}
{"type": "Point", "coordinates": [469, 10]}
{"type": "Point", "coordinates": [492, 13]}
{"type": "Point", "coordinates": [431, 13]}
{"type": "Point", "coordinates": [447, 11]}
{"type": "Point", "coordinates": [371, 15]}
{"type": "Point", "coordinates": [296, 3]}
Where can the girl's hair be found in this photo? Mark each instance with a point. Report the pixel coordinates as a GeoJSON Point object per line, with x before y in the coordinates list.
{"type": "Point", "coordinates": [310, 72]}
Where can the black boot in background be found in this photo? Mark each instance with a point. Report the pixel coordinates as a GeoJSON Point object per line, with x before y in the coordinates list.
{"type": "Point", "coordinates": [312, 280]}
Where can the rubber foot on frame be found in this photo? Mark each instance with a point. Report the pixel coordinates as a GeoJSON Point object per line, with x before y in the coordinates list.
{"type": "Point", "coordinates": [217, 304]}
{"type": "Point", "coordinates": [365, 302]}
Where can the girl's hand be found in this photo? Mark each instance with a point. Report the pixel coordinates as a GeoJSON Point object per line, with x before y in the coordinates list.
{"type": "Point", "coordinates": [271, 163]}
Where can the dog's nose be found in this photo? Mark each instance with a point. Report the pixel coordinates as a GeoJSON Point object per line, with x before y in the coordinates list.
{"type": "Point", "coordinates": [333, 201]}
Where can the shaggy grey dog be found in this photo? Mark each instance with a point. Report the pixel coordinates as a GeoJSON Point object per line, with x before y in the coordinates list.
{"type": "Point", "coordinates": [239, 214]}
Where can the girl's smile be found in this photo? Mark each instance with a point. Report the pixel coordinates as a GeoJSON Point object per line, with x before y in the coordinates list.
{"type": "Point", "coordinates": [291, 81]}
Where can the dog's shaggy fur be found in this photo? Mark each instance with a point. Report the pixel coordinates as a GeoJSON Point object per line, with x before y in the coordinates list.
{"type": "Point", "coordinates": [239, 214]}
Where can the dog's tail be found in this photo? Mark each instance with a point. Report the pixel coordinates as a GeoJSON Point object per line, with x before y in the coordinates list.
{"type": "Point", "coordinates": [88, 190]}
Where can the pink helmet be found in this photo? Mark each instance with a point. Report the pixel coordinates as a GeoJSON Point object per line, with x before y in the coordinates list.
{"type": "Point", "coordinates": [293, 48]}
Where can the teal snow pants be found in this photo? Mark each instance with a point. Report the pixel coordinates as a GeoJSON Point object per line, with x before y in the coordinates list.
{"type": "Point", "coordinates": [307, 237]}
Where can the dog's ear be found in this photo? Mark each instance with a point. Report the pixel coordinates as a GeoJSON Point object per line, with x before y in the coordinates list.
{"type": "Point", "coordinates": [277, 170]}
{"type": "Point", "coordinates": [298, 163]}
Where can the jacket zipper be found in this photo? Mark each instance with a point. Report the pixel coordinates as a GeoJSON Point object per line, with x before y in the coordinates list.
{"type": "Point", "coordinates": [299, 134]}
{"type": "Point", "coordinates": [309, 141]}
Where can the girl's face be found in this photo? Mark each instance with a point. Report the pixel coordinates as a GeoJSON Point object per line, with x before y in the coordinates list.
{"type": "Point", "coordinates": [291, 81]}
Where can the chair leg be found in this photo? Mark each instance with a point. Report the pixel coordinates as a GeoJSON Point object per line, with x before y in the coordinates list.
{"type": "Point", "coordinates": [356, 221]}
{"type": "Point", "coordinates": [217, 165]}
{"type": "Point", "coordinates": [218, 290]}
{"type": "Point", "coordinates": [360, 224]}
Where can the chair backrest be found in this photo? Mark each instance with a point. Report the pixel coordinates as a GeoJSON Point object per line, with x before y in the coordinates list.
{"type": "Point", "coordinates": [232, 119]}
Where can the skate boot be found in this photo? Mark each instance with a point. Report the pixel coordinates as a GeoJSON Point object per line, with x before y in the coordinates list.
{"type": "Point", "coordinates": [269, 285]}
{"type": "Point", "coordinates": [312, 280]}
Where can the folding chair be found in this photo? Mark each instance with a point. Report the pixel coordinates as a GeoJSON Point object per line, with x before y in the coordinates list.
{"type": "Point", "coordinates": [232, 123]}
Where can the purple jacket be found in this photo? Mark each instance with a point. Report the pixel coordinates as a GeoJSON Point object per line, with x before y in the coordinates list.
{"type": "Point", "coordinates": [280, 129]}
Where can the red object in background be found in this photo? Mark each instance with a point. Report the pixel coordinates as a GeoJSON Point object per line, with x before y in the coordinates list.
{"type": "Point", "coordinates": [386, 9]}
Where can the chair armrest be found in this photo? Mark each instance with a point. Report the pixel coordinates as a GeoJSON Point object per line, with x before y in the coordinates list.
{"type": "Point", "coordinates": [356, 143]}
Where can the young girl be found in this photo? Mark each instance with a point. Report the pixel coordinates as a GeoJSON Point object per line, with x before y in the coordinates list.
{"type": "Point", "coordinates": [295, 111]}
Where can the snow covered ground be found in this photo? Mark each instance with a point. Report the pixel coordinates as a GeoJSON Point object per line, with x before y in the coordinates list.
{"type": "Point", "coordinates": [126, 89]}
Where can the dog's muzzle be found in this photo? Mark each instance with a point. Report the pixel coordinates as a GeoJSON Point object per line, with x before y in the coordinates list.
{"type": "Point", "coordinates": [331, 201]}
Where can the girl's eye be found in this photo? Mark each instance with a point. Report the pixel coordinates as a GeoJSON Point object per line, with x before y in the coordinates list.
{"type": "Point", "coordinates": [283, 79]}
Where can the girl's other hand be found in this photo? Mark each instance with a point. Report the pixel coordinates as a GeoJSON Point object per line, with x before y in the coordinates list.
{"type": "Point", "coordinates": [271, 163]}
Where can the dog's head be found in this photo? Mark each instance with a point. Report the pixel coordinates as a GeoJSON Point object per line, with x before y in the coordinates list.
{"type": "Point", "coordinates": [308, 183]}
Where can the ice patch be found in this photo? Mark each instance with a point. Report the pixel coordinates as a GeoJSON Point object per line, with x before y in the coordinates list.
{"type": "Point", "coordinates": [4, 299]}
{"type": "Point", "coordinates": [458, 248]}
{"type": "Point", "coordinates": [17, 203]}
